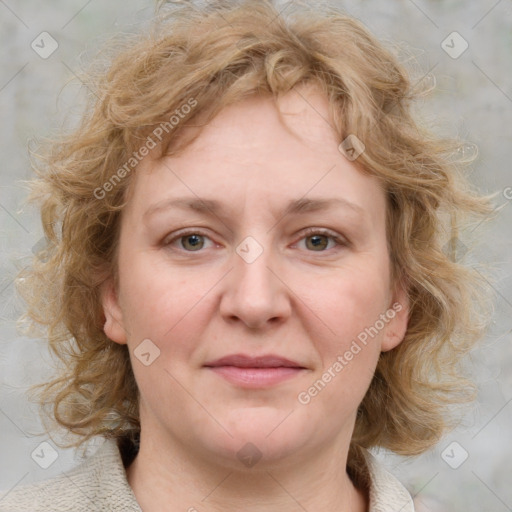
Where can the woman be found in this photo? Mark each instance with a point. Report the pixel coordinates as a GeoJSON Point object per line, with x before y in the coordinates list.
{"type": "Point", "coordinates": [246, 271]}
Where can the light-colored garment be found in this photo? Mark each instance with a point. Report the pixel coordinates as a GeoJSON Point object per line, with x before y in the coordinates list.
{"type": "Point", "coordinates": [99, 484]}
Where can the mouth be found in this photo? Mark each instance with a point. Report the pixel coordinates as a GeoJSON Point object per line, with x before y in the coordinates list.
{"type": "Point", "coordinates": [255, 372]}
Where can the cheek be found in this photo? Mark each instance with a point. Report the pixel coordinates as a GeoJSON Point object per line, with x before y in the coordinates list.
{"type": "Point", "coordinates": [347, 309]}
{"type": "Point", "coordinates": [162, 303]}
{"type": "Point", "coordinates": [166, 308]}
{"type": "Point", "coordinates": [350, 302]}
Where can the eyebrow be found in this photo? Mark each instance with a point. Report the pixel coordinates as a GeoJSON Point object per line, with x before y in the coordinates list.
{"type": "Point", "coordinates": [212, 207]}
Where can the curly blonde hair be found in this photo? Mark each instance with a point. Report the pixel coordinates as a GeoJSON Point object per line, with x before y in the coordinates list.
{"type": "Point", "coordinates": [215, 56]}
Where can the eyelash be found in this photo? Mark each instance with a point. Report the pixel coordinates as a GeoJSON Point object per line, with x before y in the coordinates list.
{"type": "Point", "coordinates": [340, 242]}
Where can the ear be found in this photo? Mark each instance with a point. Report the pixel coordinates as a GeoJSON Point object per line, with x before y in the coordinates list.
{"type": "Point", "coordinates": [398, 313]}
{"type": "Point", "coordinates": [114, 326]}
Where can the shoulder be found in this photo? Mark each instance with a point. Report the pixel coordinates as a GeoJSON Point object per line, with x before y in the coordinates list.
{"type": "Point", "coordinates": [98, 483]}
{"type": "Point", "coordinates": [386, 492]}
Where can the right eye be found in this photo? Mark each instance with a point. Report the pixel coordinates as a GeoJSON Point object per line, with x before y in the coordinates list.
{"type": "Point", "coordinates": [189, 241]}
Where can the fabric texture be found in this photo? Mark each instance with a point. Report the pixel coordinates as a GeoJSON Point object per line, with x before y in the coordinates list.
{"type": "Point", "coordinates": [99, 484]}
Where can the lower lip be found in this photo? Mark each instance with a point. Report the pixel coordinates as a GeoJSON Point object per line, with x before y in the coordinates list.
{"type": "Point", "coordinates": [256, 377]}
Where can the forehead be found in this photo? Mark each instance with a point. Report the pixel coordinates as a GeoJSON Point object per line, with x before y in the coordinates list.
{"type": "Point", "coordinates": [251, 152]}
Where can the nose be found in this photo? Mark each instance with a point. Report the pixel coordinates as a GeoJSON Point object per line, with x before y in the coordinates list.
{"type": "Point", "coordinates": [254, 293]}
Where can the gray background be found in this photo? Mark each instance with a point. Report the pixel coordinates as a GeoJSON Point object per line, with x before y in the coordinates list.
{"type": "Point", "coordinates": [472, 99]}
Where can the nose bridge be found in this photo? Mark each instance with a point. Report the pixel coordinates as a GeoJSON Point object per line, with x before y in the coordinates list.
{"type": "Point", "coordinates": [251, 266]}
{"type": "Point", "coordinates": [254, 295]}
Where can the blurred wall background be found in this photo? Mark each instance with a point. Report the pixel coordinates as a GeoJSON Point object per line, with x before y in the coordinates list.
{"type": "Point", "coordinates": [465, 48]}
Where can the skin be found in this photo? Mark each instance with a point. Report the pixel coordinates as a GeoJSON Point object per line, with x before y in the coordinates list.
{"type": "Point", "coordinates": [295, 300]}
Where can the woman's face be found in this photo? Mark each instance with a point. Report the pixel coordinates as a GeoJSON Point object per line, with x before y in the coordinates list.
{"type": "Point", "coordinates": [286, 258]}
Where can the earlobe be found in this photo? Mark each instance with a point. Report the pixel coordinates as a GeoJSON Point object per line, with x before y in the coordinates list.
{"type": "Point", "coordinates": [397, 326]}
{"type": "Point", "coordinates": [114, 326]}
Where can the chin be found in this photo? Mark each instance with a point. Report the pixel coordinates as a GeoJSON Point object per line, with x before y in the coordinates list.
{"type": "Point", "coordinates": [263, 434]}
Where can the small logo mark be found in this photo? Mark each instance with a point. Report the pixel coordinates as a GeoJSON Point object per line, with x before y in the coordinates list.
{"type": "Point", "coordinates": [459, 249]}
{"type": "Point", "coordinates": [249, 249]}
{"type": "Point", "coordinates": [454, 455]}
{"type": "Point", "coordinates": [39, 246]}
{"type": "Point", "coordinates": [454, 45]}
{"type": "Point", "coordinates": [249, 455]}
{"type": "Point", "coordinates": [44, 455]}
{"type": "Point", "coordinates": [44, 45]}
{"type": "Point", "coordinates": [146, 352]}
{"type": "Point", "coordinates": [39, 249]}
{"type": "Point", "coordinates": [352, 147]}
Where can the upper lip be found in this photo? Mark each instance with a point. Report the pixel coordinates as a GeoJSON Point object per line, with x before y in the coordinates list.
{"type": "Point", "coordinates": [245, 361]}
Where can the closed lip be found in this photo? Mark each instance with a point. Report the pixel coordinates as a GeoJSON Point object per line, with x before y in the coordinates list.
{"type": "Point", "coordinates": [246, 361]}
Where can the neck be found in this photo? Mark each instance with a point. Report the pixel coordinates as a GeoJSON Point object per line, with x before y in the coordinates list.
{"type": "Point", "coordinates": [178, 479]}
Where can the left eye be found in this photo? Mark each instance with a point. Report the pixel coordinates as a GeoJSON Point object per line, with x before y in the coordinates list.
{"type": "Point", "coordinates": [318, 240]}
